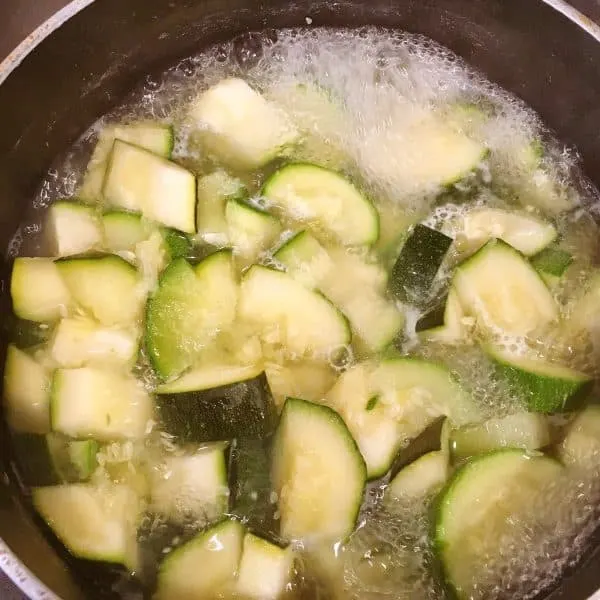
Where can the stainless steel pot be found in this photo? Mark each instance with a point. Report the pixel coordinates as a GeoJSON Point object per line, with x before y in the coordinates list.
{"type": "Point", "coordinates": [79, 63]}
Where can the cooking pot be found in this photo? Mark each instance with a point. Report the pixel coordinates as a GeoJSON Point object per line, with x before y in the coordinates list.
{"type": "Point", "coordinates": [84, 59]}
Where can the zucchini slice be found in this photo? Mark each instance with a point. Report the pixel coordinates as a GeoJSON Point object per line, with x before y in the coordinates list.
{"type": "Point", "coordinates": [286, 314]}
{"type": "Point", "coordinates": [545, 387]}
{"type": "Point", "coordinates": [358, 289]}
{"type": "Point", "coordinates": [299, 379]}
{"type": "Point", "coordinates": [423, 477]}
{"type": "Point", "coordinates": [524, 232]}
{"type": "Point", "coordinates": [526, 430]}
{"type": "Point", "coordinates": [204, 566]}
{"type": "Point", "coordinates": [80, 341]}
{"type": "Point", "coordinates": [123, 230]}
{"type": "Point", "coordinates": [191, 487]}
{"type": "Point", "coordinates": [38, 291]}
{"type": "Point", "coordinates": [318, 474]}
{"type": "Point", "coordinates": [26, 392]}
{"type": "Point", "coordinates": [74, 228]}
{"type": "Point", "coordinates": [305, 259]}
{"type": "Point", "coordinates": [161, 190]}
{"type": "Point", "coordinates": [473, 513]}
{"type": "Point", "coordinates": [93, 522]}
{"type": "Point", "coordinates": [243, 409]}
{"type": "Point", "coordinates": [265, 569]}
{"type": "Point", "coordinates": [387, 404]}
{"type": "Point", "coordinates": [580, 446]}
{"type": "Point", "coordinates": [418, 264]}
{"type": "Point", "coordinates": [214, 191]}
{"type": "Point", "coordinates": [157, 138]}
{"type": "Point", "coordinates": [445, 323]}
{"type": "Point", "coordinates": [189, 308]}
{"type": "Point", "coordinates": [53, 459]}
{"type": "Point", "coordinates": [250, 230]}
{"type": "Point", "coordinates": [241, 127]}
{"type": "Point", "coordinates": [107, 287]}
{"type": "Point", "coordinates": [322, 198]}
{"type": "Point", "coordinates": [504, 293]}
{"type": "Point", "coordinates": [433, 153]}
{"type": "Point", "coordinates": [99, 403]}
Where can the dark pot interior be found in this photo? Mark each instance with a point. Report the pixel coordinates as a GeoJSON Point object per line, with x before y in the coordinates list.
{"type": "Point", "coordinates": [86, 66]}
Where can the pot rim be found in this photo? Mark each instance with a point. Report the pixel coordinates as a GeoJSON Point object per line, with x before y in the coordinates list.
{"type": "Point", "coordinates": [28, 583]}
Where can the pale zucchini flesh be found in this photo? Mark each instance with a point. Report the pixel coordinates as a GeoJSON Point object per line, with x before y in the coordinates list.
{"type": "Point", "coordinates": [26, 392]}
{"type": "Point", "coordinates": [161, 190]}
{"type": "Point", "coordinates": [285, 313]}
{"type": "Point", "coordinates": [204, 566]}
{"type": "Point", "coordinates": [191, 487]}
{"type": "Point", "coordinates": [325, 200]}
{"type": "Point", "coordinates": [473, 513]}
{"type": "Point", "coordinates": [93, 522]}
{"type": "Point", "coordinates": [503, 291]}
{"type": "Point", "coordinates": [239, 126]}
{"type": "Point", "coordinates": [74, 227]}
{"type": "Point", "coordinates": [419, 479]}
{"type": "Point", "coordinates": [99, 403]}
{"type": "Point", "coordinates": [38, 291]}
{"type": "Point", "coordinates": [317, 473]}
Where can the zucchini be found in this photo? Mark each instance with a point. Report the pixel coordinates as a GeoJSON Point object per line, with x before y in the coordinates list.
{"type": "Point", "coordinates": [52, 459]}
{"type": "Point", "coordinates": [524, 232]}
{"type": "Point", "coordinates": [503, 291]}
{"type": "Point", "coordinates": [445, 323]}
{"type": "Point", "coordinates": [106, 287]}
{"type": "Point", "coordinates": [250, 230]}
{"type": "Point", "coordinates": [123, 230]}
{"type": "Point", "coordinates": [177, 244]}
{"type": "Point", "coordinates": [251, 494]}
{"type": "Point", "coordinates": [96, 523]}
{"type": "Point", "coordinates": [214, 191]}
{"type": "Point", "coordinates": [317, 472]}
{"type": "Point", "coordinates": [191, 487]}
{"type": "Point", "coordinates": [325, 200]}
{"type": "Point", "coordinates": [189, 308]}
{"type": "Point", "coordinates": [264, 571]}
{"type": "Point", "coordinates": [80, 341]}
{"type": "Point", "coordinates": [155, 137]}
{"type": "Point", "coordinates": [140, 181]}
{"type": "Point", "coordinates": [97, 403]}
{"type": "Point", "coordinates": [545, 387]}
{"type": "Point", "coordinates": [237, 410]}
{"type": "Point", "coordinates": [204, 566]}
{"type": "Point", "coordinates": [474, 511]}
{"type": "Point", "coordinates": [355, 286]}
{"type": "Point", "coordinates": [38, 291]}
{"type": "Point", "coordinates": [239, 126]}
{"type": "Point", "coordinates": [210, 376]}
{"type": "Point", "coordinates": [26, 392]}
{"type": "Point", "coordinates": [387, 404]}
{"type": "Point", "coordinates": [423, 477]}
{"type": "Point", "coordinates": [284, 313]}
{"type": "Point", "coordinates": [529, 431]}
{"type": "Point", "coordinates": [433, 153]}
{"type": "Point", "coordinates": [74, 228]}
{"type": "Point", "coordinates": [417, 266]}
{"type": "Point", "coordinates": [305, 259]}
{"type": "Point", "coordinates": [551, 263]}
{"type": "Point", "coordinates": [580, 446]}
{"type": "Point", "coordinates": [299, 379]}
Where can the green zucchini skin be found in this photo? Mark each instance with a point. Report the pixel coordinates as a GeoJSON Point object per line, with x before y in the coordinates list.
{"type": "Point", "coordinates": [240, 410]}
{"type": "Point", "coordinates": [419, 261]}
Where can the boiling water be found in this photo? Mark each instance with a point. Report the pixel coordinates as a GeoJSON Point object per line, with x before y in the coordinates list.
{"type": "Point", "coordinates": [379, 77]}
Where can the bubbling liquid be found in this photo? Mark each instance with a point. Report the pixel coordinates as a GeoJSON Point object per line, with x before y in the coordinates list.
{"type": "Point", "coordinates": [382, 78]}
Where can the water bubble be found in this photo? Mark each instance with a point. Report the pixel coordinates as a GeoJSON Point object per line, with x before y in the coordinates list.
{"type": "Point", "coordinates": [248, 49]}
